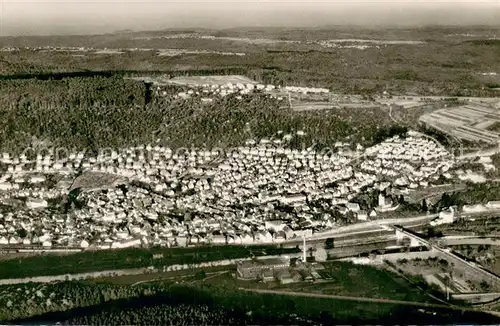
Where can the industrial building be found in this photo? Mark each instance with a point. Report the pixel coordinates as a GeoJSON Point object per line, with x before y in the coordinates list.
{"type": "Point", "coordinates": [262, 268]}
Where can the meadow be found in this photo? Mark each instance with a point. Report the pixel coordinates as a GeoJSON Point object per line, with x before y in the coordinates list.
{"type": "Point", "coordinates": [104, 260]}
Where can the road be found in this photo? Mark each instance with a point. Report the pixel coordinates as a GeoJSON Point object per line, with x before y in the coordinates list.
{"type": "Point", "coordinates": [486, 299]}
{"type": "Point", "coordinates": [432, 139]}
{"type": "Point", "coordinates": [392, 118]}
{"type": "Point", "coordinates": [363, 234]}
{"type": "Point", "coordinates": [373, 226]}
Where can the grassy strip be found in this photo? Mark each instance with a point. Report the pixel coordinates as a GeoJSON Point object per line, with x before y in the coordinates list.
{"type": "Point", "coordinates": [128, 258]}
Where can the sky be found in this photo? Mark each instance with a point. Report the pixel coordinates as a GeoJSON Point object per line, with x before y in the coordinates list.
{"type": "Point", "coordinates": [38, 17]}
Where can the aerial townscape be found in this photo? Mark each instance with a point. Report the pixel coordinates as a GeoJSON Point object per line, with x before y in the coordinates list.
{"type": "Point", "coordinates": [264, 193]}
{"type": "Point", "coordinates": [314, 175]}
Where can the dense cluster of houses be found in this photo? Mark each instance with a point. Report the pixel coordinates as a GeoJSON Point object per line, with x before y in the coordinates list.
{"type": "Point", "coordinates": [208, 92]}
{"type": "Point", "coordinates": [261, 192]}
{"type": "Point", "coordinates": [409, 163]}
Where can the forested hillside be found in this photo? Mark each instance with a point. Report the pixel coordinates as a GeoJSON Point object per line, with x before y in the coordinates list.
{"type": "Point", "coordinates": [92, 113]}
{"type": "Point", "coordinates": [174, 304]}
{"type": "Point", "coordinates": [442, 62]}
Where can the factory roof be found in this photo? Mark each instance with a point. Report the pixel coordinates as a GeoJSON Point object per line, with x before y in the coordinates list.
{"type": "Point", "coordinates": [264, 262]}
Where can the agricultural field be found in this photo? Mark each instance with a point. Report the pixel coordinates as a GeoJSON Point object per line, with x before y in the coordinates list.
{"type": "Point", "coordinates": [469, 122]}
{"type": "Point", "coordinates": [410, 116]}
{"type": "Point", "coordinates": [486, 255]}
{"type": "Point", "coordinates": [434, 271]}
{"type": "Point", "coordinates": [441, 276]}
{"type": "Point", "coordinates": [343, 278]}
{"type": "Point", "coordinates": [483, 225]}
{"type": "Point", "coordinates": [319, 106]}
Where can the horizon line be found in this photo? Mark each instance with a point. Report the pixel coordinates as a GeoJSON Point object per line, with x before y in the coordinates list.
{"type": "Point", "coordinates": [381, 26]}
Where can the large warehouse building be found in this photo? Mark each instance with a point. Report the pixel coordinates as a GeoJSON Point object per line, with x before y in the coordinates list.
{"type": "Point", "coordinates": [262, 268]}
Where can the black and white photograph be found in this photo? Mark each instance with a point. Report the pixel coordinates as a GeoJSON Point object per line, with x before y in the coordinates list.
{"type": "Point", "coordinates": [249, 162]}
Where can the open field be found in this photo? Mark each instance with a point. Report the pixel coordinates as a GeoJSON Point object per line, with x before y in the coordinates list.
{"type": "Point", "coordinates": [485, 254]}
{"type": "Point", "coordinates": [469, 122]}
{"type": "Point", "coordinates": [364, 281]}
{"type": "Point", "coordinates": [298, 58]}
{"type": "Point", "coordinates": [211, 80]}
{"type": "Point", "coordinates": [438, 273]}
{"type": "Point", "coordinates": [109, 52]}
{"type": "Point", "coordinates": [179, 52]}
{"type": "Point", "coordinates": [92, 181]}
{"type": "Point", "coordinates": [315, 106]}
{"type": "Point", "coordinates": [127, 258]}
{"type": "Point", "coordinates": [411, 116]}
{"type": "Point", "coordinates": [184, 303]}
{"type": "Point", "coordinates": [340, 278]}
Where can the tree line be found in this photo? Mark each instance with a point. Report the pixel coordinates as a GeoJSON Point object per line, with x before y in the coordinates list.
{"type": "Point", "coordinates": [91, 113]}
